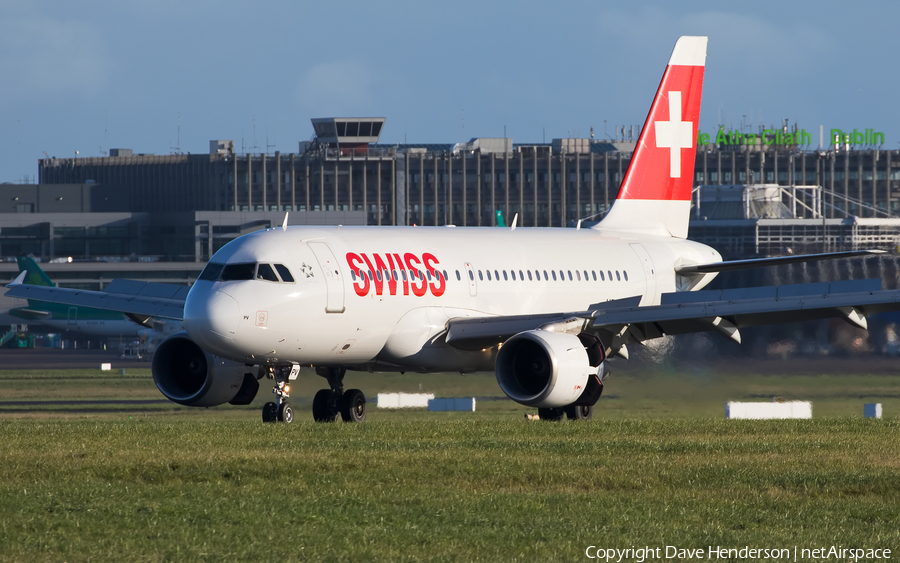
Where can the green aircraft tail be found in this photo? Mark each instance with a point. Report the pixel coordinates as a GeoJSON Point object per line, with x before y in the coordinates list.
{"type": "Point", "coordinates": [36, 275]}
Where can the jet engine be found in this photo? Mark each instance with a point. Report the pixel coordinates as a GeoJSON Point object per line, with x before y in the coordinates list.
{"type": "Point", "coordinates": [539, 368]}
{"type": "Point", "coordinates": [188, 375]}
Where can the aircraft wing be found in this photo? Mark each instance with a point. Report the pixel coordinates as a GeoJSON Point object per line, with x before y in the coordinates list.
{"type": "Point", "coordinates": [142, 299]}
{"type": "Point", "coordinates": [725, 311]}
{"type": "Point", "coordinates": [733, 265]}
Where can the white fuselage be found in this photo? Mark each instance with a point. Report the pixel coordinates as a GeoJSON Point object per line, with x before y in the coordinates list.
{"type": "Point", "coordinates": [335, 313]}
{"type": "Point", "coordinates": [96, 327]}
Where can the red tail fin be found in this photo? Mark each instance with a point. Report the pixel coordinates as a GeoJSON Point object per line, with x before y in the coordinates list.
{"type": "Point", "coordinates": [655, 195]}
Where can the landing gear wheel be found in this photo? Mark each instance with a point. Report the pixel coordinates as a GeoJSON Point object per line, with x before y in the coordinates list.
{"type": "Point", "coordinates": [286, 413]}
{"type": "Point", "coordinates": [574, 412]}
{"type": "Point", "coordinates": [270, 412]}
{"type": "Point", "coordinates": [324, 406]}
{"type": "Point", "coordinates": [353, 406]}
{"type": "Point", "coordinates": [551, 414]}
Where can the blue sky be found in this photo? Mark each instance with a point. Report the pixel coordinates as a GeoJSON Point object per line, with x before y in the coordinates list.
{"type": "Point", "coordinates": [89, 76]}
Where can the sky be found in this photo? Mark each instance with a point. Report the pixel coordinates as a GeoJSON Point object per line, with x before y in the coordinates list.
{"type": "Point", "coordinates": [160, 76]}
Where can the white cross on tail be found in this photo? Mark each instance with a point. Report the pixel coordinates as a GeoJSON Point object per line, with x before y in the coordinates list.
{"type": "Point", "coordinates": [674, 134]}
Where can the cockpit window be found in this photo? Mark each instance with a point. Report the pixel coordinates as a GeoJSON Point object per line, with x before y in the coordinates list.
{"type": "Point", "coordinates": [211, 272]}
{"type": "Point", "coordinates": [235, 272]}
{"type": "Point", "coordinates": [265, 272]}
{"type": "Point", "coordinates": [284, 273]}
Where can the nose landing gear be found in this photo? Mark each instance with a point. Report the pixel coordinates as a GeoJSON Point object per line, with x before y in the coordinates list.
{"type": "Point", "coordinates": [329, 403]}
{"type": "Point", "coordinates": [280, 410]}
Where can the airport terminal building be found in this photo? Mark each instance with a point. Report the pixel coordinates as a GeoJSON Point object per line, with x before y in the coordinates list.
{"type": "Point", "coordinates": [160, 217]}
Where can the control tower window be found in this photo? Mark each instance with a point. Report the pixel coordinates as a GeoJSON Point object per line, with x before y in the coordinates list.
{"type": "Point", "coordinates": [376, 129]}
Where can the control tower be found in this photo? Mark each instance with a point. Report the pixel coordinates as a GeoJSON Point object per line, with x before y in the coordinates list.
{"type": "Point", "coordinates": [347, 134]}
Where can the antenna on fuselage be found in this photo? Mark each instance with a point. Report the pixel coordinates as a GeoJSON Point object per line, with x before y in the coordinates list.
{"type": "Point", "coordinates": [515, 220]}
{"type": "Point", "coordinates": [284, 223]}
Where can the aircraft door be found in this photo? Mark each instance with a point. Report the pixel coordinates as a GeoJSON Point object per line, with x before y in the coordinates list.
{"type": "Point", "coordinates": [470, 275]}
{"type": "Point", "coordinates": [73, 315]}
{"type": "Point", "coordinates": [334, 282]}
{"type": "Point", "coordinates": [651, 293]}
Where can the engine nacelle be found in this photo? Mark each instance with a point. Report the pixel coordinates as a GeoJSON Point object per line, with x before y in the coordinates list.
{"type": "Point", "coordinates": [188, 375]}
{"type": "Point", "coordinates": [546, 369]}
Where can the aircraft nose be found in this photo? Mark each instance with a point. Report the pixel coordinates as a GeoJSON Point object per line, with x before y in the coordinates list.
{"type": "Point", "coordinates": [215, 312]}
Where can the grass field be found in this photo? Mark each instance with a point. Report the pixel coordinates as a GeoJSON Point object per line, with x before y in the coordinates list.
{"type": "Point", "coordinates": [83, 477]}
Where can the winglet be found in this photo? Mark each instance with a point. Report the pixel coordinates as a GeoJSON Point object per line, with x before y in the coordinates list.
{"type": "Point", "coordinates": [18, 280]}
{"type": "Point", "coordinates": [284, 223]}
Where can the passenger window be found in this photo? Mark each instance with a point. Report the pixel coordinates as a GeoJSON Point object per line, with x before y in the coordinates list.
{"type": "Point", "coordinates": [545, 276]}
{"type": "Point", "coordinates": [480, 277]}
{"type": "Point", "coordinates": [489, 275]}
{"type": "Point", "coordinates": [522, 276]}
{"type": "Point", "coordinates": [561, 275]}
{"type": "Point", "coordinates": [578, 275]}
{"type": "Point", "coordinates": [471, 275]}
{"type": "Point", "coordinates": [496, 275]}
{"type": "Point", "coordinates": [286, 274]}
{"type": "Point", "coordinates": [570, 275]}
{"type": "Point", "coordinates": [585, 275]}
{"type": "Point", "coordinates": [602, 278]}
{"type": "Point", "coordinates": [504, 276]}
{"type": "Point", "coordinates": [554, 274]}
{"type": "Point", "coordinates": [378, 274]}
{"type": "Point", "coordinates": [396, 277]}
{"type": "Point", "coordinates": [403, 273]}
{"type": "Point", "coordinates": [211, 272]}
{"type": "Point", "coordinates": [618, 278]}
{"type": "Point", "coordinates": [458, 277]}
{"type": "Point", "coordinates": [624, 273]}
{"type": "Point", "coordinates": [265, 272]}
{"type": "Point", "coordinates": [529, 275]}
{"type": "Point", "coordinates": [353, 275]}
{"type": "Point", "coordinates": [609, 272]}
{"type": "Point", "coordinates": [236, 272]}
{"type": "Point", "coordinates": [446, 277]}
{"type": "Point", "coordinates": [594, 273]}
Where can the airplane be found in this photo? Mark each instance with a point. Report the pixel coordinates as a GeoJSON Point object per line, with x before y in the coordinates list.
{"type": "Point", "coordinates": [81, 319]}
{"type": "Point", "coordinates": [84, 320]}
{"type": "Point", "coordinates": [543, 308]}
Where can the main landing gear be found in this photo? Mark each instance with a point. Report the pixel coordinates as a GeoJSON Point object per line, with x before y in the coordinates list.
{"type": "Point", "coordinates": [576, 411]}
{"type": "Point", "coordinates": [329, 403]}
{"type": "Point", "coordinates": [572, 412]}
{"type": "Point", "coordinates": [280, 410]}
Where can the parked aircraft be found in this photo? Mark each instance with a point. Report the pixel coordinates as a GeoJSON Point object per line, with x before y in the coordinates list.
{"type": "Point", "coordinates": [73, 318]}
{"type": "Point", "coordinates": [541, 307]}
{"type": "Point", "coordinates": [87, 320]}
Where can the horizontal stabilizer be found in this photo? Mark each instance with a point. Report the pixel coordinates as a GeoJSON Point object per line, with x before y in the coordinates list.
{"type": "Point", "coordinates": [763, 262]}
